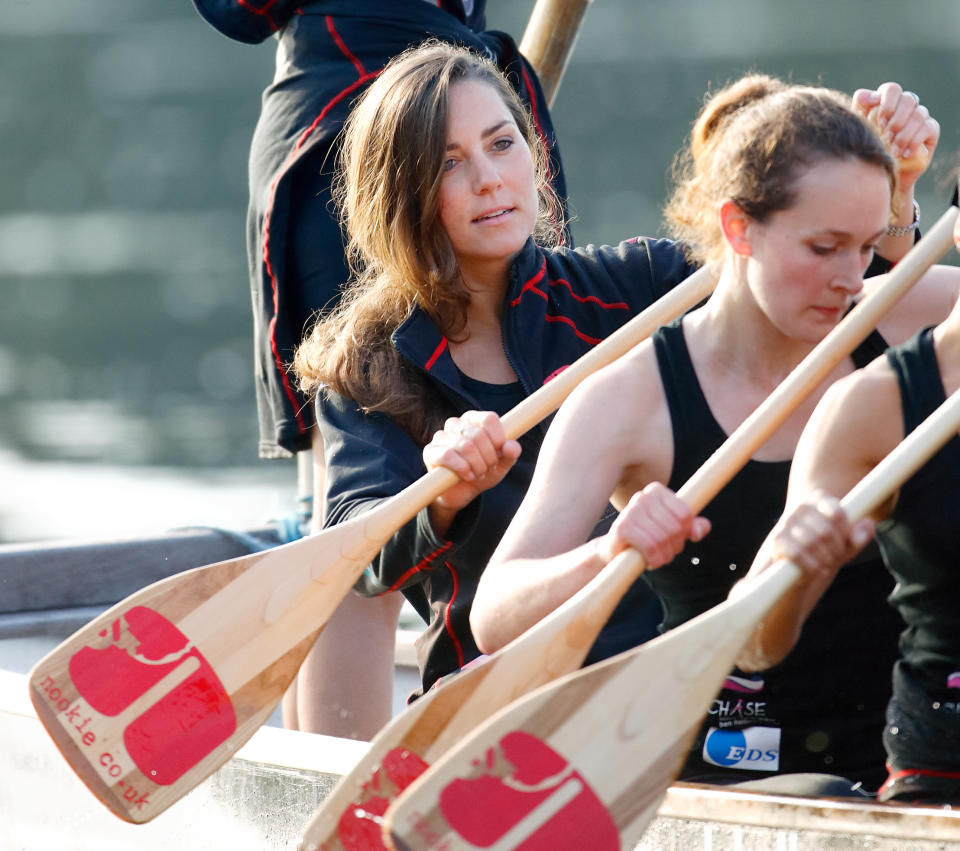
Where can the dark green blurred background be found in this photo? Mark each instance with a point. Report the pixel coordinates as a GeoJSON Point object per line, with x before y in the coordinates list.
{"type": "Point", "coordinates": [124, 125]}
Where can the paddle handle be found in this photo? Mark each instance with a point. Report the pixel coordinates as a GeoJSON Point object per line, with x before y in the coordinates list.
{"type": "Point", "coordinates": [549, 39]}
{"type": "Point", "coordinates": [394, 512]}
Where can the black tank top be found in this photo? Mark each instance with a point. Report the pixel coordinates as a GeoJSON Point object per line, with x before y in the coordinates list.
{"type": "Point", "coordinates": [742, 513]}
{"type": "Point", "coordinates": [919, 540]}
{"type": "Point", "coordinates": [822, 708]}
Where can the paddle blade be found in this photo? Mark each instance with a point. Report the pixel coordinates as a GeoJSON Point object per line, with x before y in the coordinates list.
{"type": "Point", "coordinates": [584, 761]}
{"type": "Point", "coordinates": [155, 694]}
{"type": "Point", "coordinates": [440, 719]}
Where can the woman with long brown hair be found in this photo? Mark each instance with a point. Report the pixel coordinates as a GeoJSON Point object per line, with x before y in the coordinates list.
{"type": "Point", "coordinates": [456, 314]}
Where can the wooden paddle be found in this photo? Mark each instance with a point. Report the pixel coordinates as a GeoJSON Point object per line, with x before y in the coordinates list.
{"type": "Point", "coordinates": [349, 818]}
{"type": "Point", "coordinates": [152, 696]}
{"type": "Point", "coordinates": [549, 39]}
{"type": "Point", "coordinates": [585, 761]}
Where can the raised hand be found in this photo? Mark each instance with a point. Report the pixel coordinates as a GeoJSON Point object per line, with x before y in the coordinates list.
{"type": "Point", "coordinates": [904, 123]}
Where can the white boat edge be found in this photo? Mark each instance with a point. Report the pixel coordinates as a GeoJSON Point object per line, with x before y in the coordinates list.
{"type": "Point", "coordinates": [263, 797]}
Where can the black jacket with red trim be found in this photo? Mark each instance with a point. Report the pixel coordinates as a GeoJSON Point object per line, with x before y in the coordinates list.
{"type": "Point", "coordinates": [559, 305]}
{"type": "Point", "coordinates": [327, 54]}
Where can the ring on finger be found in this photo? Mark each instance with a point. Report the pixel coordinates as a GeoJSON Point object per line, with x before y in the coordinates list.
{"type": "Point", "coordinates": [914, 95]}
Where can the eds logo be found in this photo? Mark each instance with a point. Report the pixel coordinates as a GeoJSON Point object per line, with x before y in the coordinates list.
{"type": "Point", "coordinates": [749, 748]}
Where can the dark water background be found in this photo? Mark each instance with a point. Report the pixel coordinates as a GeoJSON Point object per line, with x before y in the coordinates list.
{"type": "Point", "coordinates": [124, 125]}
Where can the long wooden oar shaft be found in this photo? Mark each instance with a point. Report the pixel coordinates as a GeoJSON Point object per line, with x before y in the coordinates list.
{"type": "Point", "coordinates": [549, 39]}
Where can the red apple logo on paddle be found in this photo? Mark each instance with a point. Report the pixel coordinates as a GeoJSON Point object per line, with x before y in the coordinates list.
{"type": "Point", "coordinates": [182, 725]}
{"type": "Point", "coordinates": [359, 828]}
{"type": "Point", "coordinates": [541, 804]}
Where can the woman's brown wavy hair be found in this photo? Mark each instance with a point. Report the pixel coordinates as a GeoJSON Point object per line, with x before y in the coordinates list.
{"type": "Point", "coordinates": [387, 189]}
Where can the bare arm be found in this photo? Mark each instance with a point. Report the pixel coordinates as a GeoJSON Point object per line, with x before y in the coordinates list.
{"type": "Point", "coordinates": [855, 425]}
{"type": "Point", "coordinates": [604, 436]}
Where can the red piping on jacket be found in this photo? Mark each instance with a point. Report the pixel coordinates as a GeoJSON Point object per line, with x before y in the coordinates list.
{"type": "Point", "coordinates": [343, 47]}
{"type": "Point", "coordinates": [274, 347]}
{"type": "Point", "coordinates": [243, 4]}
{"type": "Point", "coordinates": [606, 305]}
{"type": "Point", "coordinates": [531, 286]}
{"type": "Point", "coordinates": [566, 321]}
{"type": "Point", "coordinates": [423, 564]}
{"type": "Point", "coordinates": [448, 625]}
{"type": "Point", "coordinates": [436, 354]}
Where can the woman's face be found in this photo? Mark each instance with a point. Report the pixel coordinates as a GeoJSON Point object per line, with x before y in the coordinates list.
{"type": "Point", "coordinates": [488, 196]}
{"type": "Point", "coordinates": [806, 263]}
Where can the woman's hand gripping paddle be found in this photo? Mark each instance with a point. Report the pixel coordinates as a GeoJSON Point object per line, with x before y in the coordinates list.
{"type": "Point", "coordinates": [585, 761]}
{"type": "Point", "coordinates": [350, 817]}
{"type": "Point", "coordinates": [152, 696]}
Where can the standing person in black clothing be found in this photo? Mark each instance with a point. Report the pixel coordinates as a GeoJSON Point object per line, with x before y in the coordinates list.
{"type": "Point", "coordinates": [328, 52]}
{"type": "Point", "coordinates": [788, 192]}
{"type": "Point", "coordinates": [859, 422]}
{"type": "Point", "coordinates": [457, 313]}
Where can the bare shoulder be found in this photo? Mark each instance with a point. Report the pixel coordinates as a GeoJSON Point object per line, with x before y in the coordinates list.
{"type": "Point", "coordinates": [855, 425]}
{"type": "Point", "coordinates": [867, 397]}
{"type": "Point", "coordinates": [928, 302]}
{"type": "Point", "coordinates": [619, 400]}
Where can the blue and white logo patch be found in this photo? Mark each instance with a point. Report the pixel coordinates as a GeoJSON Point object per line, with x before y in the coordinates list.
{"type": "Point", "coordinates": [749, 748]}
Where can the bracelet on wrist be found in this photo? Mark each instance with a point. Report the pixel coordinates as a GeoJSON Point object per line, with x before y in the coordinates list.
{"type": "Point", "coordinates": [906, 230]}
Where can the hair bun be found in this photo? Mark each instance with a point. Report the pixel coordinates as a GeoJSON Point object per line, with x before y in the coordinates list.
{"type": "Point", "coordinates": [725, 103]}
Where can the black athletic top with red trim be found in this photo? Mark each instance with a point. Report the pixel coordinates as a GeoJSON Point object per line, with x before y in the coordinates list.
{"type": "Point", "coordinates": [328, 52]}
{"type": "Point", "coordinates": [559, 305]}
{"type": "Point", "coordinates": [919, 546]}
{"type": "Point", "coordinates": [821, 709]}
